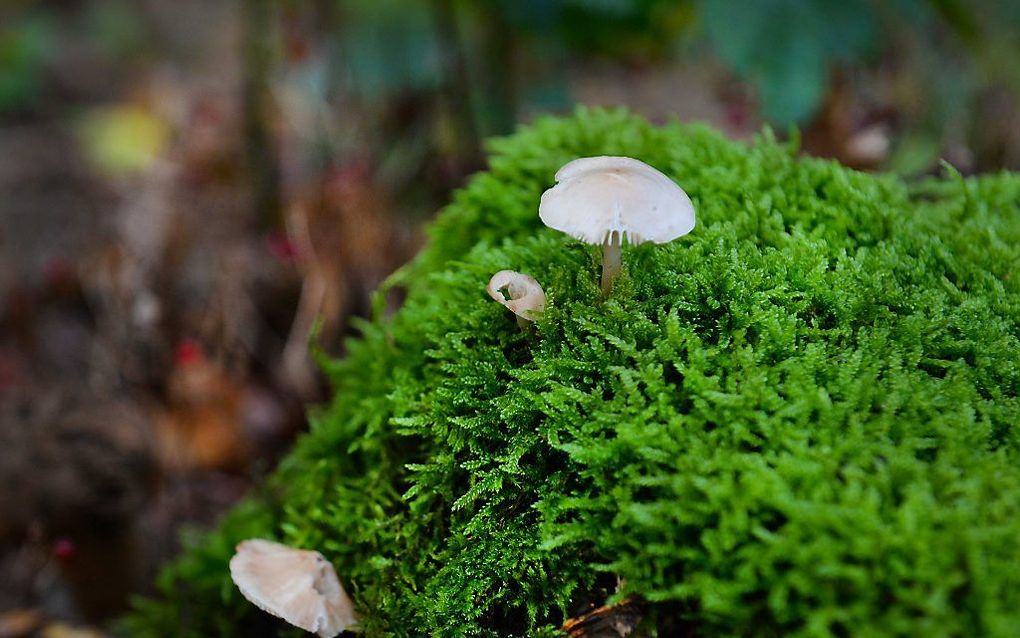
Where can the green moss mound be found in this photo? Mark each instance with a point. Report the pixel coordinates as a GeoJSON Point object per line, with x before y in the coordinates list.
{"type": "Point", "coordinates": [799, 420]}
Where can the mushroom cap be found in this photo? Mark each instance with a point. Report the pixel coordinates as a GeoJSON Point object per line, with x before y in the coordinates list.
{"type": "Point", "coordinates": [526, 296]}
{"type": "Point", "coordinates": [595, 197]}
{"type": "Point", "coordinates": [297, 585]}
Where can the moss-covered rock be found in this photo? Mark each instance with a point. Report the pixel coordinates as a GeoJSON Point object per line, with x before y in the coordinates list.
{"type": "Point", "coordinates": [800, 419]}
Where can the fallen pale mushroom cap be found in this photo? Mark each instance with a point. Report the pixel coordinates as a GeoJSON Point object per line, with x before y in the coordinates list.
{"type": "Point", "coordinates": [299, 586]}
{"type": "Point", "coordinates": [525, 296]}
{"type": "Point", "coordinates": [598, 197]}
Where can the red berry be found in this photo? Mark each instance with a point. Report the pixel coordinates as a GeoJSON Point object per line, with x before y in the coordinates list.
{"type": "Point", "coordinates": [64, 549]}
{"type": "Point", "coordinates": [187, 353]}
{"type": "Point", "coordinates": [281, 247]}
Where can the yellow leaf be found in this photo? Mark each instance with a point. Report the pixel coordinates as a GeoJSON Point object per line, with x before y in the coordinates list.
{"type": "Point", "coordinates": [123, 139]}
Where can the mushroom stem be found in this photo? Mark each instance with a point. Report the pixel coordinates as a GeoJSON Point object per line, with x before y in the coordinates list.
{"type": "Point", "coordinates": [611, 251]}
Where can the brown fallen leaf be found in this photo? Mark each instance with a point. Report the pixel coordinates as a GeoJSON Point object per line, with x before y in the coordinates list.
{"type": "Point", "coordinates": [61, 630]}
{"type": "Point", "coordinates": [608, 621]}
{"type": "Point", "coordinates": [201, 425]}
{"type": "Point", "coordinates": [18, 623]}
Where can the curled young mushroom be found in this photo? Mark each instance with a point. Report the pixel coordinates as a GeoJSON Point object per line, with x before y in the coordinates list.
{"type": "Point", "coordinates": [602, 200]}
{"type": "Point", "coordinates": [297, 585]}
{"type": "Point", "coordinates": [525, 298]}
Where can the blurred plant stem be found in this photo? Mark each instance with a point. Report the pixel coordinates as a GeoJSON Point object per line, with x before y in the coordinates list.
{"type": "Point", "coordinates": [104, 572]}
{"type": "Point", "coordinates": [262, 154]}
{"type": "Point", "coordinates": [456, 86]}
{"type": "Point", "coordinates": [498, 81]}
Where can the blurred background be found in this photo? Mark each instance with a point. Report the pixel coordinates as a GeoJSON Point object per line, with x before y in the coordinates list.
{"type": "Point", "coordinates": [187, 187]}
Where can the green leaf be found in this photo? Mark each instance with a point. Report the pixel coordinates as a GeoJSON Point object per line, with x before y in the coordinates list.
{"type": "Point", "coordinates": [786, 47]}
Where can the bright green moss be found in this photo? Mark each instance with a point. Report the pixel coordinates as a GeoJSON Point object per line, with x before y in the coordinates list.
{"type": "Point", "coordinates": [801, 419]}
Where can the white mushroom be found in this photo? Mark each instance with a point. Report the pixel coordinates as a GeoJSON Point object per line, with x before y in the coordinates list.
{"type": "Point", "coordinates": [602, 200]}
{"type": "Point", "coordinates": [297, 585]}
{"type": "Point", "coordinates": [525, 297]}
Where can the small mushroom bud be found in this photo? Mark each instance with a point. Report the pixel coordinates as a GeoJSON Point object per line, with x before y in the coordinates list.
{"type": "Point", "coordinates": [602, 200]}
{"type": "Point", "coordinates": [525, 298]}
{"type": "Point", "coordinates": [297, 585]}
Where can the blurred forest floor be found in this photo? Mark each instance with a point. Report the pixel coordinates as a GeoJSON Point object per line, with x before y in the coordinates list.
{"type": "Point", "coordinates": [187, 189]}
